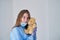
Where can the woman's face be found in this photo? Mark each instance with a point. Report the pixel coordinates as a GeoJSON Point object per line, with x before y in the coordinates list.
{"type": "Point", "coordinates": [25, 18]}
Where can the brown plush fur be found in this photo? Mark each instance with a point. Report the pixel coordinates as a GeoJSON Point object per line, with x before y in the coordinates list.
{"type": "Point", "coordinates": [31, 26]}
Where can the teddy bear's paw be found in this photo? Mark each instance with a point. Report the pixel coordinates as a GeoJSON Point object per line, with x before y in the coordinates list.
{"type": "Point", "coordinates": [34, 25]}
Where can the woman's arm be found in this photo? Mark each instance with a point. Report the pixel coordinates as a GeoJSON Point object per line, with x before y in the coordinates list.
{"type": "Point", "coordinates": [14, 34]}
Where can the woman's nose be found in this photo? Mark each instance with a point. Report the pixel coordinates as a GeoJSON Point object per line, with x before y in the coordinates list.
{"type": "Point", "coordinates": [26, 20]}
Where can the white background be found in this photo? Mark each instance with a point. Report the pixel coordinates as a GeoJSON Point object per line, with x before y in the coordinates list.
{"type": "Point", "coordinates": [46, 12]}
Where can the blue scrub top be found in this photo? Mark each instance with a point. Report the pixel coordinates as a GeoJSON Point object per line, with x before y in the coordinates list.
{"type": "Point", "coordinates": [17, 33]}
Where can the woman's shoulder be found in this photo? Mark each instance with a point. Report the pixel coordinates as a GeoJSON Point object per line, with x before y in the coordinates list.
{"type": "Point", "coordinates": [16, 28]}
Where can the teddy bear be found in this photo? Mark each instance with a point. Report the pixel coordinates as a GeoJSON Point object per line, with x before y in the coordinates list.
{"type": "Point", "coordinates": [31, 26]}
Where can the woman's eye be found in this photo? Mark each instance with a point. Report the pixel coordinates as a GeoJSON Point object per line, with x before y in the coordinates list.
{"type": "Point", "coordinates": [27, 18]}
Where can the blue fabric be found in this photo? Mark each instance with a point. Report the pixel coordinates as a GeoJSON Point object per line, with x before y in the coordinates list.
{"type": "Point", "coordinates": [17, 33]}
{"type": "Point", "coordinates": [34, 33]}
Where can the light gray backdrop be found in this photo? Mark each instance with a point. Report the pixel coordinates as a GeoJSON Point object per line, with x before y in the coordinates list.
{"type": "Point", "coordinates": [46, 13]}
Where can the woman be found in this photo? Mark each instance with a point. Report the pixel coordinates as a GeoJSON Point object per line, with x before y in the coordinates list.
{"type": "Point", "coordinates": [17, 32]}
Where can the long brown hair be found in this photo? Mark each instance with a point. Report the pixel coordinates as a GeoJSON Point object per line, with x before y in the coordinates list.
{"type": "Point", "coordinates": [20, 15]}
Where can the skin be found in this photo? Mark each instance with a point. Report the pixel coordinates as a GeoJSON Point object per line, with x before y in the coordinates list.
{"type": "Point", "coordinates": [25, 18]}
